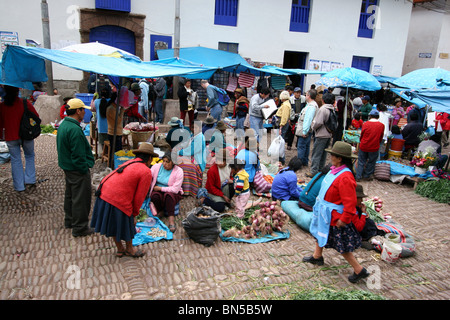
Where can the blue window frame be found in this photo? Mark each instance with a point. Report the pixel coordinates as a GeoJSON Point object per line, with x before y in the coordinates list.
{"type": "Point", "coordinates": [116, 5]}
{"type": "Point", "coordinates": [226, 12]}
{"type": "Point", "coordinates": [365, 29]}
{"type": "Point", "coordinates": [362, 63]}
{"type": "Point", "coordinates": [300, 15]}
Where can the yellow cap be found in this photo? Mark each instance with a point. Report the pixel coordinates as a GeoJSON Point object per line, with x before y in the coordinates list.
{"type": "Point", "coordinates": [76, 104]}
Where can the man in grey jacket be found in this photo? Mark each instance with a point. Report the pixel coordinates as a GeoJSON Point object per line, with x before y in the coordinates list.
{"type": "Point", "coordinates": [160, 88]}
{"type": "Point", "coordinates": [322, 135]}
{"type": "Point", "coordinates": [257, 103]}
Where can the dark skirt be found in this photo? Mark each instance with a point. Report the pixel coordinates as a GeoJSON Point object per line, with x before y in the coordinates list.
{"type": "Point", "coordinates": [112, 222]}
{"type": "Point", "coordinates": [345, 239]}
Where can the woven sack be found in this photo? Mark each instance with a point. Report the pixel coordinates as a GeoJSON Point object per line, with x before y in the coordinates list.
{"type": "Point", "coordinates": [382, 171]}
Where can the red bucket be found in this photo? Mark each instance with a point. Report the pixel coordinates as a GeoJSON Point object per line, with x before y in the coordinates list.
{"type": "Point", "coordinates": [397, 144]}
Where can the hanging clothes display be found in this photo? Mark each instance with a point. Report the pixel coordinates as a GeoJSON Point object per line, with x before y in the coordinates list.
{"type": "Point", "coordinates": [278, 82]}
{"type": "Point", "coordinates": [246, 79]}
{"type": "Point", "coordinates": [232, 83]}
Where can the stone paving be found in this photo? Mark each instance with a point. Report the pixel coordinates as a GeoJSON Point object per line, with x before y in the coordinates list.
{"type": "Point", "coordinates": [39, 259]}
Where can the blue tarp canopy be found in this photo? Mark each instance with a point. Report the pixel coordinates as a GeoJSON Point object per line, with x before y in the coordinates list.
{"type": "Point", "coordinates": [427, 78]}
{"type": "Point", "coordinates": [439, 100]}
{"type": "Point", "coordinates": [351, 78]}
{"type": "Point", "coordinates": [14, 82]}
{"type": "Point", "coordinates": [23, 65]}
{"type": "Point", "coordinates": [218, 59]}
{"type": "Point", "coordinates": [385, 79]}
{"type": "Point", "coordinates": [289, 72]}
{"type": "Point", "coordinates": [404, 94]}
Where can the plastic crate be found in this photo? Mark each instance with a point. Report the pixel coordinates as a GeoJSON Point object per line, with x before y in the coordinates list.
{"type": "Point", "coordinates": [87, 99]}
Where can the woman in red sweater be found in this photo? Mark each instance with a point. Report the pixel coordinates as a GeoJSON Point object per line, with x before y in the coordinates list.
{"type": "Point", "coordinates": [337, 197]}
{"type": "Point", "coordinates": [219, 185]}
{"type": "Point", "coordinates": [11, 112]}
{"type": "Point", "coordinates": [122, 194]}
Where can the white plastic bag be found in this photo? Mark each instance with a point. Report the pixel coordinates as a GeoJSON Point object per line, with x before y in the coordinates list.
{"type": "Point", "coordinates": [276, 149]}
{"type": "Point", "coordinates": [391, 251]}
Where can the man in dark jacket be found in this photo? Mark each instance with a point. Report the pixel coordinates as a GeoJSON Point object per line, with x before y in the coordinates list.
{"type": "Point", "coordinates": [75, 158]}
{"type": "Point", "coordinates": [412, 131]}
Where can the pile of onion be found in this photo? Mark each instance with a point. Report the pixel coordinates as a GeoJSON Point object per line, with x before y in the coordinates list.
{"type": "Point", "coordinates": [268, 219]}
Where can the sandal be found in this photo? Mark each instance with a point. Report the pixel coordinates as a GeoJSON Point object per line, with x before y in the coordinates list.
{"type": "Point", "coordinates": [172, 228]}
{"type": "Point", "coordinates": [120, 254]}
{"type": "Point", "coordinates": [139, 253]}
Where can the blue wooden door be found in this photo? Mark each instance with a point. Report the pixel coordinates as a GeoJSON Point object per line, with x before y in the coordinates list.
{"type": "Point", "coordinates": [114, 36]}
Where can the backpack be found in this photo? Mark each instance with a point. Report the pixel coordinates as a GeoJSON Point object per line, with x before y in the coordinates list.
{"type": "Point", "coordinates": [30, 124]}
{"type": "Point", "coordinates": [151, 92]}
{"type": "Point", "coordinates": [222, 96]}
{"type": "Point", "coordinates": [332, 123]}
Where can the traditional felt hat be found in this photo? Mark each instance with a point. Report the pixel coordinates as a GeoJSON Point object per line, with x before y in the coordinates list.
{"type": "Point", "coordinates": [174, 121]}
{"type": "Point", "coordinates": [342, 149]}
{"type": "Point", "coordinates": [209, 120]}
{"type": "Point", "coordinates": [221, 125]}
{"type": "Point", "coordinates": [240, 91]}
{"type": "Point", "coordinates": [135, 86]}
{"type": "Point", "coordinates": [146, 148]}
{"type": "Point", "coordinates": [360, 191]}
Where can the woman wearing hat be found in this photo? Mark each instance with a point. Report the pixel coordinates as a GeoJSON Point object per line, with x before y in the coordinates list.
{"type": "Point", "coordinates": [218, 137]}
{"type": "Point", "coordinates": [120, 196]}
{"type": "Point", "coordinates": [334, 211]}
{"type": "Point", "coordinates": [398, 111]}
{"type": "Point", "coordinates": [132, 113]}
{"type": "Point", "coordinates": [240, 110]}
{"type": "Point", "coordinates": [166, 187]}
{"type": "Point", "coordinates": [192, 159]}
{"type": "Point", "coordinates": [209, 123]}
{"type": "Point", "coordinates": [178, 133]}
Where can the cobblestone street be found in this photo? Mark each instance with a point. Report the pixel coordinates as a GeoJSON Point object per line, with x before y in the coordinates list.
{"type": "Point", "coordinates": [38, 256]}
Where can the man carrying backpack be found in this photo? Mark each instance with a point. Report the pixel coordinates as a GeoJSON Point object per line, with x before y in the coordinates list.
{"type": "Point", "coordinates": [213, 106]}
{"type": "Point", "coordinates": [323, 133]}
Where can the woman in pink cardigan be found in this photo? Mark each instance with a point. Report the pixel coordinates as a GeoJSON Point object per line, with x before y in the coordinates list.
{"type": "Point", "coordinates": [165, 190]}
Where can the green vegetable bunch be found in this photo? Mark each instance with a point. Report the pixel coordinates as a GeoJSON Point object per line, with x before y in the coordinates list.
{"type": "Point", "coordinates": [437, 190]}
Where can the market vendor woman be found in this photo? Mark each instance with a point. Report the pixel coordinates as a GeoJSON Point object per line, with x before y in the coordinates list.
{"type": "Point", "coordinates": [166, 187]}
{"type": "Point", "coordinates": [122, 194]}
{"type": "Point", "coordinates": [334, 210]}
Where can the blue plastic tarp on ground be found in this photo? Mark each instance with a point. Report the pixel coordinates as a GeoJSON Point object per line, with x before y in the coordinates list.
{"type": "Point", "coordinates": [401, 169]}
{"type": "Point", "coordinates": [142, 237]}
{"type": "Point", "coordinates": [266, 238]}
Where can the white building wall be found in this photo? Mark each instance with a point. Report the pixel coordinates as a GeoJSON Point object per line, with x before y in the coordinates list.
{"type": "Point", "coordinates": [262, 29]}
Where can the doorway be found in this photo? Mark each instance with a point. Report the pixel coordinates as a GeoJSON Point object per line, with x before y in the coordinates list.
{"type": "Point", "coordinates": [295, 60]}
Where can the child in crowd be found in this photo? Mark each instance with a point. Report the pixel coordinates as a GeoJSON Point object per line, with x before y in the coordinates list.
{"type": "Point", "coordinates": [241, 186]}
{"type": "Point", "coordinates": [357, 122]}
{"type": "Point", "coordinates": [396, 133]}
